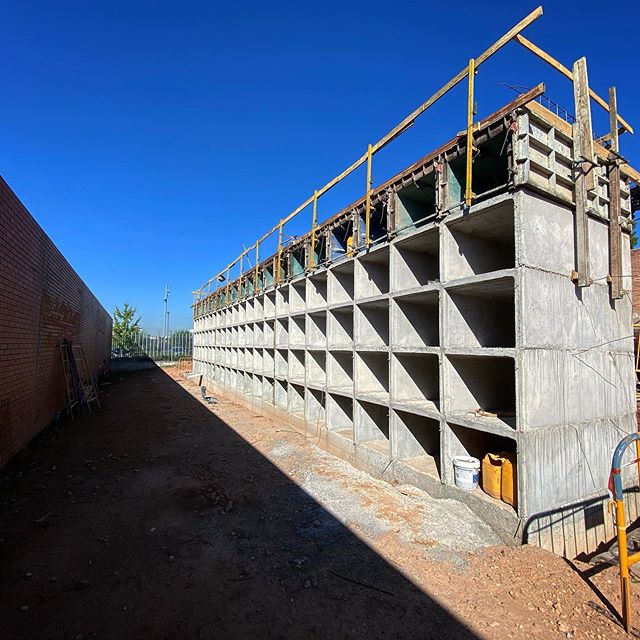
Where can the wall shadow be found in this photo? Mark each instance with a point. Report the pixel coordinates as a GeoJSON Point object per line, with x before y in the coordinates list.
{"type": "Point", "coordinates": [154, 519]}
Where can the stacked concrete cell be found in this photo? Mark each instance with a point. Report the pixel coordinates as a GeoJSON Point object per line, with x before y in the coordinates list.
{"type": "Point", "coordinates": [457, 331]}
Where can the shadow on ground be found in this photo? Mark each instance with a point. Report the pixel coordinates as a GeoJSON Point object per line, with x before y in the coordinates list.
{"type": "Point", "coordinates": [154, 519]}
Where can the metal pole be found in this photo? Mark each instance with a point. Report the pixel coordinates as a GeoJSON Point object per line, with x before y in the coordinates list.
{"type": "Point", "coordinates": [166, 309]}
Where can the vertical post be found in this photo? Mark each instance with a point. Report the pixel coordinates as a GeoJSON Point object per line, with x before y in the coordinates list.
{"type": "Point", "coordinates": [468, 193]}
{"type": "Point", "coordinates": [583, 159]}
{"type": "Point", "coordinates": [314, 224]}
{"type": "Point", "coordinates": [367, 211]}
{"type": "Point", "coordinates": [615, 233]}
{"type": "Point", "coordinates": [625, 580]}
{"type": "Point", "coordinates": [278, 267]}
{"type": "Point", "coordinates": [226, 292]}
{"type": "Point", "coordinates": [255, 273]}
{"type": "Point", "coordinates": [240, 280]}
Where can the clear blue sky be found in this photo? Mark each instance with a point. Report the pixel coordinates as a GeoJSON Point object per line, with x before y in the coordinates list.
{"type": "Point", "coordinates": [152, 139]}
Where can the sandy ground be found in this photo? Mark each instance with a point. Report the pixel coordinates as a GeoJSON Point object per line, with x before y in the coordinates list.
{"type": "Point", "coordinates": [162, 517]}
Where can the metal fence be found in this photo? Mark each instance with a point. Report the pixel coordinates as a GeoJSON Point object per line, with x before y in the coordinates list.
{"type": "Point", "coordinates": [172, 348]}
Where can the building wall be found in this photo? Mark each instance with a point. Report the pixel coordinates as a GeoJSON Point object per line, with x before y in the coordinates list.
{"type": "Point", "coordinates": [42, 301]}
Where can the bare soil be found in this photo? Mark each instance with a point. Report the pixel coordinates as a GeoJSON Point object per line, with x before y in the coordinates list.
{"type": "Point", "coordinates": [163, 517]}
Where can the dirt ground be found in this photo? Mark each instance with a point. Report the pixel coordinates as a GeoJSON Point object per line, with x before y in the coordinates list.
{"type": "Point", "coordinates": [163, 517]}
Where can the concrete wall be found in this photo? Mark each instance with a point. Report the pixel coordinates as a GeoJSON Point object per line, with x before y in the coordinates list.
{"type": "Point", "coordinates": [385, 357]}
{"type": "Point", "coordinates": [42, 301]}
{"type": "Point", "coordinates": [635, 274]}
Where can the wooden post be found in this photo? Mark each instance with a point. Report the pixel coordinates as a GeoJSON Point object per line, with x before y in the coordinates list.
{"type": "Point", "coordinates": [584, 178]}
{"type": "Point", "coordinates": [367, 210]}
{"type": "Point", "coordinates": [255, 274]}
{"type": "Point", "coordinates": [468, 192]}
{"type": "Point", "coordinates": [314, 224]}
{"type": "Point", "coordinates": [615, 232]}
{"type": "Point", "coordinates": [278, 266]}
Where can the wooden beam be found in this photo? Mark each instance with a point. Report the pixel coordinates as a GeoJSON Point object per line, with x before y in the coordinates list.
{"type": "Point", "coordinates": [405, 124]}
{"type": "Point", "coordinates": [615, 206]}
{"type": "Point", "coordinates": [558, 66]}
{"type": "Point", "coordinates": [582, 149]}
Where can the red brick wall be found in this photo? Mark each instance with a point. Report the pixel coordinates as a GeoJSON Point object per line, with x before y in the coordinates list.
{"type": "Point", "coordinates": [42, 301]}
{"type": "Point", "coordinates": [635, 284]}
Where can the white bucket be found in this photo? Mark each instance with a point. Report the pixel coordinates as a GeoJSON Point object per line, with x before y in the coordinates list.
{"type": "Point", "coordinates": [467, 472]}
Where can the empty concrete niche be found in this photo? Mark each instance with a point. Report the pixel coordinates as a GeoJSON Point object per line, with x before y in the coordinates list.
{"type": "Point", "coordinates": [316, 333]}
{"type": "Point", "coordinates": [248, 335]}
{"type": "Point", "coordinates": [268, 362]}
{"type": "Point", "coordinates": [257, 386]}
{"type": "Point", "coordinates": [476, 443]}
{"type": "Point", "coordinates": [257, 360]}
{"type": "Point", "coordinates": [481, 314]}
{"type": "Point", "coordinates": [258, 308]}
{"type": "Point", "coordinates": [372, 325]}
{"type": "Point", "coordinates": [248, 311]}
{"type": "Point", "coordinates": [282, 363]}
{"type": "Point", "coordinates": [268, 387]}
{"type": "Point", "coordinates": [372, 273]}
{"type": "Point", "coordinates": [340, 414]}
{"type": "Point", "coordinates": [340, 283]}
{"type": "Point", "coordinates": [281, 395]}
{"type": "Point", "coordinates": [416, 204]}
{"type": "Point", "coordinates": [248, 384]}
{"type": "Point", "coordinates": [340, 371]}
{"type": "Point", "coordinates": [296, 400]}
{"type": "Point", "coordinates": [417, 441]}
{"type": "Point", "coordinates": [416, 381]}
{"type": "Point", "coordinates": [316, 368]}
{"type": "Point", "coordinates": [234, 336]}
{"type": "Point", "coordinates": [415, 260]}
{"type": "Point", "coordinates": [296, 332]}
{"type": "Point", "coordinates": [481, 389]}
{"type": "Point", "coordinates": [415, 321]}
{"type": "Point", "coordinates": [282, 301]}
{"type": "Point", "coordinates": [297, 296]}
{"type": "Point", "coordinates": [258, 335]}
{"type": "Point", "coordinates": [481, 242]}
{"type": "Point", "coordinates": [372, 376]}
{"type": "Point", "coordinates": [340, 328]}
{"type": "Point", "coordinates": [314, 409]}
{"type": "Point", "coordinates": [371, 422]}
{"type": "Point", "coordinates": [282, 333]}
{"type": "Point", "coordinates": [269, 332]}
{"type": "Point", "coordinates": [296, 366]}
{"type": "Point", "coordinates": [270, 304]}
{"type": "Point", "coordinates": [317, 290]}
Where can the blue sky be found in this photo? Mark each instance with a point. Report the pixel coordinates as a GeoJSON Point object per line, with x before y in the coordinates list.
{"type": "Point", "coordinates": [152, 139]}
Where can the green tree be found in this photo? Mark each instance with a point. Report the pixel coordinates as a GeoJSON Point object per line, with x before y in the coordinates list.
{"type": "Point", "coordinates": [125, 328]}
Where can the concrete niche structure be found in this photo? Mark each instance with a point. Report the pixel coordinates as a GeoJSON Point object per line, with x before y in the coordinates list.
{"type": "Point", "coordinates": [455, 329]}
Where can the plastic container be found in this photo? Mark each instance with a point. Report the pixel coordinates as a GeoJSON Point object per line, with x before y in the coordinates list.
{"type": "Point", "coordinates": [508, 482]}
{"type": "Point", "coordinates": [466, 472]}
{"type": "Point", "coordinates": [492, 474]}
